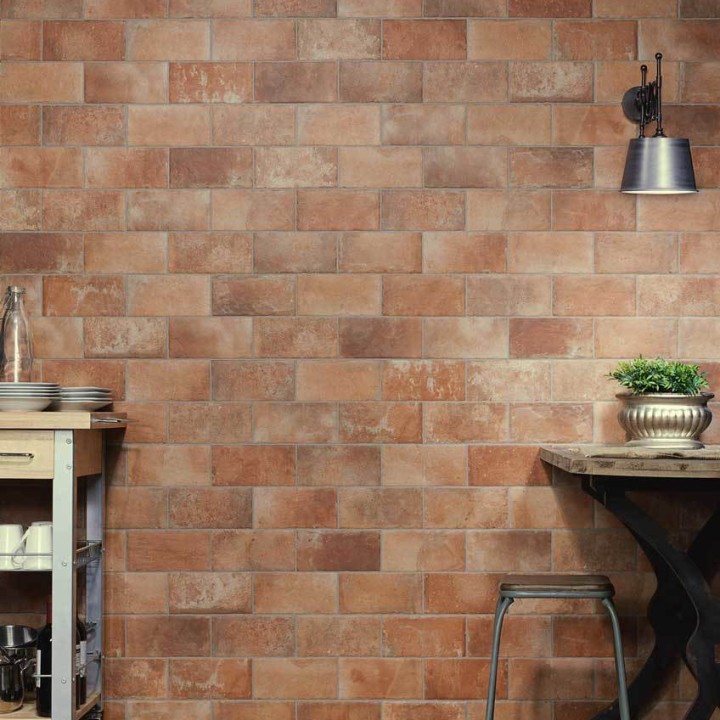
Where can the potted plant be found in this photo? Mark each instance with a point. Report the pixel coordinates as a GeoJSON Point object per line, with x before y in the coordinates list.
{"type": "Point", "coordinates": [664, 406]}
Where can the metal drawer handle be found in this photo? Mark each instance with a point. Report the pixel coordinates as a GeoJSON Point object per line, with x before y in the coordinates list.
{"type": "Point", "coordinates": [30, 456]}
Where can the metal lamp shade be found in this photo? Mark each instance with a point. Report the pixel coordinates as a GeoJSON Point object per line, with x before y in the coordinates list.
{"type": "Point", "coordinates": [659, 166]}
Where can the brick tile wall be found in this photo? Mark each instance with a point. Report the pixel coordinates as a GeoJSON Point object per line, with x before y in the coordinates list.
{"type": "Point", "coordinates": [346, 263]}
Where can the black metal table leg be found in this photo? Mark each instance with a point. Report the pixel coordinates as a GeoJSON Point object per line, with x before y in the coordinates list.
{"type": "Point", "coordinates": [683, 614]}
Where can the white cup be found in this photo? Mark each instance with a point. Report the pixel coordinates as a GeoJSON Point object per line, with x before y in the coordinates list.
{"type": "Point", "coordinates": [37, 552]}
{"type": "Point", "coordinates": [10, 541]}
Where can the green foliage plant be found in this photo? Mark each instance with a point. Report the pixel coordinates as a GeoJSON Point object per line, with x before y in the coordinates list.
{"type": "Point", "coordinates": [660, 376]}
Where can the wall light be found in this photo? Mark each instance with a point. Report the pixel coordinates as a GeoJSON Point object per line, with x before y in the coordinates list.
{"type": "Point", "coordinates": [656, 165]}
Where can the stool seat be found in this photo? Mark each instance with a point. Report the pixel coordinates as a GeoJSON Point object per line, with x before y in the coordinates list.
{"type": "Point", "coordinates": [580, 584]}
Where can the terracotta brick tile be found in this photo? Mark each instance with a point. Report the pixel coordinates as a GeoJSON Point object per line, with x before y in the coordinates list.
{"type": "Point", "coordinates": [586, 380]}
{"type": "Point", "coordinates": [697, 336]}
{"type": "Point", "coordinates": [697, 8]}
{"type": "Point", "coordinates": [338, 39]}
{"type": "Point", "coordinates": [319, 636]}
{"type": "Point", "coordinates": [168, 295]}
{"type": "Point", "coordinates": [508, 380]}
{"type": "Point", "coordinates": [465, 508]}
{"type": "Point", "coordinates": [21, 40]}
{"type": "Point", "coordinates": [210, 508]}
{"type": "Point", "coordinates": [550, 337]}
{"type": "Point", "coordinates": [609, 166]}
{"type": "Point", "coordinates": [550, 252]}
{"type": "Point", "coordinates": [253, 465]}
{"type": "Point", "coordinates": [338, 210]}
{"type": "Point", "coordinates": [253, 210]}
{"type": "Point", "coordinates": [612, 78]}
{"type": "Point", "coordinates": [254, 710]}
{"type": "Point", "coordinates": [509, 40]}
{"type": "Point", "coordinates": [298, 422]}
{"type": "Point", "coordinates": [212, 252]}
{"type": "Point", "coordinates": [380, 508]}
{"type": "Point", "coordinates": [32, 167]}
{"type": "Point", "coordinates": [125, 337]}
{"type": "Point", "coordinates": [463, 252]}
{"type": "Point", "coordinates": [423, 210]}
{"type": "Point", "coordinates": [43, 10]}
{"type": "Point", "coordinates": [237, 380]}
{"type": "Point", "coordinates": [338, 380]}
{"type": "Point", "coordinates": [137, 507]}
{"type": "Point", "coordinates": [296, 82]}
{"type": "Point", "coordinates": [423, 380]}
{"type": "Point", "coordinates": [459, 679]}
{"type": "Point", "coordinates": [168, 40]}
{"type": "Point", "coordinates": [126, 83]}
{"type": "Point", "coordinates": [692, 40]}
{"type": "Point", "coordinates": [617, 8]}
{"type": "Point", "coordinates": [366, 82]}
{"type": "Point", "coordinates": [380, 593]}
{"type": "Point", "coordinates": [630, 337]}
{"type": "Point", "coordinates": [168, 636]}
{"type": "Point", "coordinates": [425, 711]}
{"type": "Point", "coordinates": [83, 295]}
{"type": "Point", "coordinates": [423, 550]}
{"type": "Point", "coordinates": [210, 679]}
{"type": "Point", "coordinates": [136, 678]}
{"type": "Point", "coordinates": [506, 466]}
{"type": "Point", "coordinates": [498, 210]}
{"type": "Point", "coordinates": [550, 8]}
{"type": "Point", "coordinates": [591, 125]}
{"type": "Point", "coordinates": [595, 40]}
{"type": "Point", "coordinates": [125, 252]}
{"type": "Point", "coordinates": [508, 124]}
{"type": "Point", "coordinates": [84, 210]}
{"type": "Point", "coordinates": [379, 8]}
{"type": "Point", "coordinates": [253, 40]}
{"type": "Point", "coordinates": [424, 636]}
{"type": "Point", "coordinates": [677, 295]}
{"type": "Point", "coordinates": [424, 40]}
{"type": "Point", "coordinates": [20, 210]}
{"type": "Point", "coordinates": [424, 465]}
{"type": "Point", "coordinates": [41, 252]}
{"type": "Point", "coordinates": [168, 465]}
{"type": "Point", "coordinates": [292, 678]}
{"type": "Point", "coordinates": [199, 709]}
{"type": "Point", "coordinates": [64, 125]}
{"type": "Point", "coordinates": [167, 550]}
{"type": "Point", "coordinates": [169, 124]}
{"type": "Point", "coordinates": [593, 640]}
{"type": "Point", "coordinates": [465, 337]}
{"type": "Point", "coordinates": [706, 162]}
{"type": "Point", "coordinates": [423, 295]}
{"type": "Point", "coordinates": [57, 337]}
{"type": "Point", "coordinates": [699, 213]}
{"type": "Point", "coordinates": [369, 678]}
{"type": "Point", "coordinates": [295, 8]}
{"type": "Point", "coordinates": [294, 507]}
{"type": "Point", "coordinates": [464, 422]}
{"type": "Point", "coordinates": [254, 125]}
{"type": "Point", "coordinates": [210, 82]}
{"type": "Point", "coordinates": [295, 167]}
{"type": "Point", "coordinates": [210, 593]}
{"type": "Point", "coordinates": [78, 373]}
{"type": "Point", "coordinates": [545, 507]}
{"type": "Point", "coordinates": [460, 593]}
{"type": "Point", "coordinates": [380, 167]}
{"type": "Point", "coordinates": [215, 337]}
{"type": "Point", "coordinates": [104, 9]}
{"type": "Point", "coordinates": [508, 295]}
{"type": "Point", "coordinates": [338, 125]}
{"type": "Point", "coordinates": [339, 711]}
{"type": "Point", "coordinates": [130, 593]}
{"type": "Point", "coordinates": [264, 295]}
{"type": "Point", "coordinates": [509, 551]}
{"type": "Point", "coordinates": [338, 465]}
{"type": "Point", "coordinates": [699, 82]}
{"type": "Point", "coordinates": [296, 592]}
{"type": "Point", "coordinates": [423, 124]}
{"type": "Point", "coordinates": [201, 422]}
{"type": "Point", "coordinates": [554, 168]}
{"type": "Point", "coordinates": [594, 295]}
{"type": "Point", "coordinates": [253, 636]}
{"type": "Point", "coordinates": [465, 167]}
{"type": "Point", "coordinates": [609, 549]}
{"type": "Point", "coordinates": [84, 41]}
{"type": "Point", "coordinates": [51, 82]}
{"type": "Point", "coordinates": [126, 167]}
{"type": "Point", "coordinates": [168, 209]}
{"type": "Point", "coordinates": [375, 422]}
{"type": "Point", "coordinates": [295, 337]}
{"type": "Point", "coordinates": [465, 82]}
{"type": "Point", "coordinates": [295, 252]}
{"type": "Point", "coordinates": [20, 124]}
{"type": "Point", "coordinates": [551, 82]}
{"type": "Point", "coordinates": [659, 250]}
{"type": "Point", "coordinates": [253, 550]}
{"type": "Point", "coordinates": [592, 210]}
{"type": "Point", "coordinates": [356, 551]}
{"type": "Point", "coordinates": [210, 167]}
{"type": "Point", "coordinates": [210, 8]}
{"type": "Point", "coordinates": [545, 422]}
{"type": "Point", "coordinates": [379, 252]}
{"type": "Point", "coordinates": [115, 552]}
{"type": "Point", "coordinates": [168, 380]}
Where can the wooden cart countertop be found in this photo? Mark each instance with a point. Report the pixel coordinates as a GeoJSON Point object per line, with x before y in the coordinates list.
{"type": "Point", "coordinates": [62, 420]}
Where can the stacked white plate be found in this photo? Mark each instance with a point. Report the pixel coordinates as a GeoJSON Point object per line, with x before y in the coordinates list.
{"type": "Point", "coordinates": [27, 397]}
{"type": "Point", "coordinates": [82, 399]}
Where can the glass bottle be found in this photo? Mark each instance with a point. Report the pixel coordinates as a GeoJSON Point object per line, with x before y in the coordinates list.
{"type": "Point", "coordinates": [17, 357]}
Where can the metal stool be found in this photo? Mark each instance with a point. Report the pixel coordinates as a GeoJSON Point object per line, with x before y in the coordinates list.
{"type": "Point", "coordinates": [554, 587]}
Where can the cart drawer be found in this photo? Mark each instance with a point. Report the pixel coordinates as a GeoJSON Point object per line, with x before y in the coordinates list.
{"type": "Point", "coordinates": [26, 454]}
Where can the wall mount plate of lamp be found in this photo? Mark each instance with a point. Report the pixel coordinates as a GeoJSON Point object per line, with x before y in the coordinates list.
{"type": "Point", "coordinates": [656, 165]}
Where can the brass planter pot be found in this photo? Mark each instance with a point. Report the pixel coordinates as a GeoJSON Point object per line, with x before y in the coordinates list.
{"type": "Point", "coordinates": [665, 420]}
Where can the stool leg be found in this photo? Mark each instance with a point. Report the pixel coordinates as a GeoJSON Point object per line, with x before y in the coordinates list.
{"type": "Point", "coordinates": [502, 606]}
{"type": "Point", "coordinates": [619, 660]}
